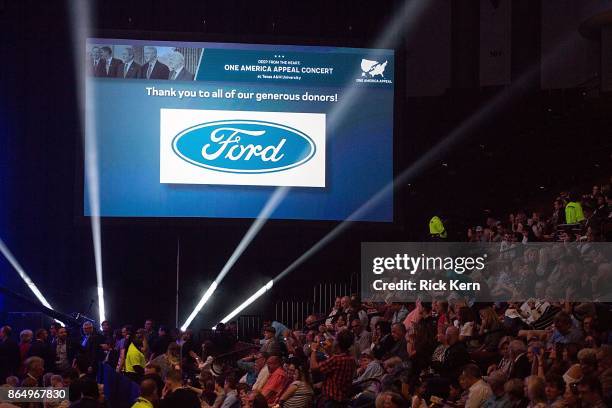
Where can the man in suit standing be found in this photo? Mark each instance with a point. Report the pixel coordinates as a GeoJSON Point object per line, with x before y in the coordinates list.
{"type": "Point", "coordinates": [90, 347]}
{"type": "Point", "coordinates": [96, 64]}
{"type": "Point", "coordinates": [178, 72]}
{"type": "Point", "coordinates": [112, 66]}
{"type": "Point", "coordinates": [10, 359]}
{"type": "Point", "coordinates": [130, 68]}
{"type": "Point", "coordinates": [153, 69]}
{"type": "Point", "coordinates": [41, 348]}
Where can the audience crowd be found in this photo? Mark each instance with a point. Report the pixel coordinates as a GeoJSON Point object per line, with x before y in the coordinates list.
{"type": "Point", "coordinates": [446, 353]}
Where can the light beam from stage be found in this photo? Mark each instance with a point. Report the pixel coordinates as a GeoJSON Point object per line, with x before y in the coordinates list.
{"type": "Point", "coordinates": [24, 276]}
{"type": "Point", "coordinates": [433, 155]}
{"type": "Point", "coordinates": [81, 16]}
{"type": "Point", "coordinates": [406, 17]}
{"type": "Point", "coordinates": [278, 195]}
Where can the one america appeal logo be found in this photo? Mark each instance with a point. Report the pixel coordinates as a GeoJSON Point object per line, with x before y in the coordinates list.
{"type": "Point", "coordinates": [373, 71]}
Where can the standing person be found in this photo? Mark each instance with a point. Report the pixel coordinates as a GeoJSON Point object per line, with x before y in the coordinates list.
{"type": "Point", "coordinates": [25, 342]}
{"type": "Point", "coordinates": [170, 360]}
{"type": "Point", "coordinates": [41, 348]}
{"type": "Point", "coordinates": [90, 347]}
{"type": "Point", "coordinates": [178, 71]}
{"type": "Point", "coordinates": [65, 350]}
{"type": "Point", "coordinates": [160, 346]}
{"type": "Point", "coordinates": [339, 370]}
{"type": "Point", "coordinates": [111, 66]}
{"type": "Point", "coordinates": [96, 64]}
{"type": "Point", "coordinates": [134, 356]}
{"type": "Point", "coordinates": [9, 354]}
{"type": "Point", "coordinates": [153, 69]}
{"type": "Point", "coordinates": [130, 69]}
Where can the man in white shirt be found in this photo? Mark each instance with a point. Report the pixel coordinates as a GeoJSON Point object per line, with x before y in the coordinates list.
{"type": "Point", "coordinates": [178, 72]}
{"type": "Point", "coordinates": [478, 390]}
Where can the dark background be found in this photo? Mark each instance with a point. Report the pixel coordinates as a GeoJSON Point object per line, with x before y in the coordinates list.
{"type": "Point", "coordinates": [533, 143]}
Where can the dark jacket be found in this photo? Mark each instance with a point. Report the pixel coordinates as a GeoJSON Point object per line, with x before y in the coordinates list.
{"type": "Point", "coordinates": [160, 71]}
{"type": "Point", "coordinates": [10, 358]}
{"type": "Point", "coordinates": [43, 350]}
{"type": "Point", "coordinates": [132, 72]}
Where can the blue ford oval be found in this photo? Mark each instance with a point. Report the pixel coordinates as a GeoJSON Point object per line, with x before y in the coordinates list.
{"type": "Point", "coordinates": [244, 146]}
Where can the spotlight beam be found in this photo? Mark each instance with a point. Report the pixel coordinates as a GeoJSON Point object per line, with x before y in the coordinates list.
{"type": "Point", "coordinates": [81, 28]}
{"type": "Point", "coordinates": [272, 203]}
{"type": "Point", "coordinates": [405, 17]}
{"type": "Point", "coordinates": [514, 91]}
{"type": "Point", "coordinates": [24, 276]}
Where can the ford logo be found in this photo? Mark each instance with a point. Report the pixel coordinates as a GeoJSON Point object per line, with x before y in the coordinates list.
{"type": "Point", "coordinates": [244, 146]}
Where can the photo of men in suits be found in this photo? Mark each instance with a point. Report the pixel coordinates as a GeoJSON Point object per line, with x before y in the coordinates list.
{"type": "Point", "coordinates": [178, 72]}
{"type": "Point", "coordinates": [152, 68]}
{"type": "Point", "coordinates": [129, 68]}
{"type": "Point", "coordinates": [112, 66]}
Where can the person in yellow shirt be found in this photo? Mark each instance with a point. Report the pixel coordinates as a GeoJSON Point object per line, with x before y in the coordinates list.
{"type": "Point", "coordinates": [573, 211]}
{"type": "Point", "coordinates": [148, 394]}
{"type": "Point", "coordinates": [436, 228]}
{"type": "Point", "coordinates": [134, 356]}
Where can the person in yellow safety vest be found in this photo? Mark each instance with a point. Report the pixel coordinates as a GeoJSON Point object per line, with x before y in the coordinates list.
{"type": "Point", "coordinates": [573, 211]}
{"type": "Point", "coordinates": [436, 227]}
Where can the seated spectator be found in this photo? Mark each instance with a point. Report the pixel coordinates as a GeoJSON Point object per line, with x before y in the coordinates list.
{"type": "Point", "coordinates": [34, 370]}
{"type": "Point", "coordinates": [535, 391]}
{"type": "Point", "coordinates": [399, 347]}
{"type": "Point", "coordinates": [554, 389]}
{"type": "Point", "coordinates": [519, 366]}
{"type": "Point", "coordinates": [382, 342]}
{"type": "Point", "coordinates": [339, 370]}
{"type": "Point", "coordinates": [299, 393]}
{"type": "Point", "coordinates": [174, 395]}
{"type": "Point", "coordinates": [90, 394]}
{"type": "Point", "coordinates": [390, 399]}
{"type": "Point", "coordinates": [515, 390]}
{"type": "Point", "coordinates": [334, 312]}
{"type": "Point", "coordinates": [269, 343]}
{"type": "Point", "coordinates": [589, 390]}
{"type": "Point", "coordinates": [478, 390]}
{"type": "Point", "coordinates": [231, 399]}
{"type": "Point", "coordinates": [465, 320]}
{"type": "Point", "coordinates": [148, 394]}
{"type": "Point", "coordinates": [604, 370]}
{"type": "Point", "coordinates": [455, 357]}
{"type": "Point", "coordinates": [253, 365]}
{"type": "Point", "coordinates": [566, 330]}
{"type": "Point", "coordinates": [276, 381]}
{"type": "Point", "coordinates": [498, 399]}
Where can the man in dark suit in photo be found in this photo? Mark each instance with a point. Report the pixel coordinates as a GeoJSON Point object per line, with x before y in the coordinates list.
{"type": "Point", "coordinates": [153, 69]}
{"type": "Point", "coordinates": [112, 66]}
{"type": "Point", "coordinates": [178, 72]}
{"type": "Point", "coordinates": [130, 68]}
{"type": "Point", "coordinates": [96, 63]}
